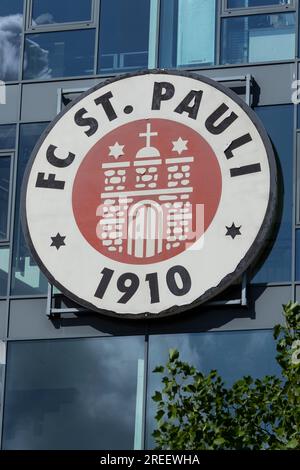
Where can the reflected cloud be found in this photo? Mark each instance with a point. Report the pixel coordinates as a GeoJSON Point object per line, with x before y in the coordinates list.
{"type": "Point", "coordinates": [10, 45]}
{"type": "Point", "coordinates": [10, 39]}
{"type": "Point", "coordinates": [72, 394]}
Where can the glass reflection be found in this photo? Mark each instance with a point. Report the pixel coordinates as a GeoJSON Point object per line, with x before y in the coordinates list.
{"type": "Point", "coordinates": [59, 54]}
{"type": "Point", "coordinates": [7, 136]}
{"type": "Point", "coordinates": [46, 12]}
{"type": "Point", "coordinates": [187, 33]}
{"type": "Point", "coordinates": [11, 25]}
{"type": "Point", "coordinates": [124, 35]}
{"type": "Point", "coordinates": [26, 277]}
{"type": "Point", "coordinates": [255, 3]}
{"type": "Point", "coordinates": [278, 122]}
{"type": "Point", "coordinates": [233, 354]}
{"type": "Point", "coordinates": [258, 38]}
{"type": "Point", "coordinates": [298, 255]}
{"type": "Point", "coordinates": [4, 264]}
{"type": "Point", "coordinates": [72, 394]}
{"type": "Point", "coordinates": [5, 170]}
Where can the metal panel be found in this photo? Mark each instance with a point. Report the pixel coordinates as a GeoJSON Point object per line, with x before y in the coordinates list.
{"type": "Point", "coordinates": [273, 82]}
{"type": "Point", "coordinates": [264, 312]}
{"type": "Point", "coordinates": [28, 320]}
{"type": "Point", "coordinates": [3, 314]}
{"type": "Point", "coordinates": [9, 106]}
{"type": "Point", "coordinates": [298, 294]}
{"type": "Point", "coordinates": [39, 100]}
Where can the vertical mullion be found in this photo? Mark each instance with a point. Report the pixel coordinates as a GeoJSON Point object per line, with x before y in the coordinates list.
{"type": "Point", "coordinates": [153, 34]}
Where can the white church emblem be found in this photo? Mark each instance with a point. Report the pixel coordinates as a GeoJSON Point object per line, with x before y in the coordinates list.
{"type": "Point", "coordinates": [150, 194]}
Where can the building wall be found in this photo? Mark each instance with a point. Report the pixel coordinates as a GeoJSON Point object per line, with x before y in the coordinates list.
{"type": "Point", "coordinates": [81, 380]}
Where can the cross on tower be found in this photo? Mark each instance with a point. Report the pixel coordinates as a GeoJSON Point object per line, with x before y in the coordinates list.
{"type": "Point", "coordinates": [148, 134]}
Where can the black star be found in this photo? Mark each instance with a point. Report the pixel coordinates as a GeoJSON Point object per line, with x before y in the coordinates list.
{"type": "Point", "coordinates": [233, 231]}
{"type": "Point", "coordinates": [58, 241]}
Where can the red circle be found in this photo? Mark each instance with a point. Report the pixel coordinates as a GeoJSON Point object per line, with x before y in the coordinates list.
{"type": "Point", "coordinates": [138, 203]}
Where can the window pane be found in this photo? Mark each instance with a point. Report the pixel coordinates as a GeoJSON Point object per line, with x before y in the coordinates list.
{"type": "Point", "coordinates": [57, 11]}
{"type": "Point", "coordinates": [258, 38]}
{"type": "Point", "coordinates": [4, 262]}
{"type": "Point", "coordinates": [124, 35]}
{"type": "Point", "coordinates": [8, 136]}
{"type": "Point", "coordinates": [278, 121]}
{"type": "Point", "coordinates": [233, 354]}
{"type": "Point", "coordinates": [59, 54]}
{"type": "Point", "coordinates": [11, 24]}
{"type": "Point", "coordinates": [297, 255]}
{"type": "Point", "coordinates": [5, 166]}
{"type": "Point", "coordinates": [187, 33]}
{"type": "Point", "coordinates": [26, 277]}
{"type": "Point", "coordinates": [256, 3]}
{"type": "Point", "coordinates": [72, 394]}
{"type": "Point", "coordinates": [2, 367]}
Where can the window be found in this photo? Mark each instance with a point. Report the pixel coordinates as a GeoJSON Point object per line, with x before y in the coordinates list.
{"type": "Point", "coordinates": [2, 368]}
{"type": "Point", "coordinates": [26, 277]}
{"type": "Point", "coordinates": [233, 354]}
{"type": "Point", "coordinates": [125, 40]}
{"type": "Point", "coordinates": [298, 176]}
{"type": "Point", "coordinates": [258, 38]}
{"type": "Point", "coordinates": [59, 54]}
{"type": "Point", "coordinates": [7, 136]}
{"type": "Point", "coordinates": [278, 121]}
{"type": "Point", "coordinates": [257, 3]}
{"type": "Point", "coordinates": [95, 405]}
{"type": "Point", "coordinates": [187, 33]}
{"type": "Point", "coordinates": [49, 12]}
{"type": "Point", "coordinates": [4, 263]}
{"type": "Point", "coordinates": [11, 25]}
{"type": "Point", "coordinates": [5, 184]}
{"type": "Point", "coordinates": [298, 255]}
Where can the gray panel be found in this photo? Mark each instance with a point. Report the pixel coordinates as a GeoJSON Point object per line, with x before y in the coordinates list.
{"type": "Point", "coordinates": [39, 100]}
{"type": "Point", "coordinates": [264, 311]}
{"type": "Point", "coordinates": [3, 314]}
{"type": "Point", "coordinates": [298, 294]}
{"type": "Point", "coordinates": [9, 104]}
{"type": "Point", "coordinates": [28, 319]}
{"type": "Point", "coordinates": [274, 81]}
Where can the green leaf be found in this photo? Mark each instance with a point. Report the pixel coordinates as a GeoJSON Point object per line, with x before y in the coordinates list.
{"type": "Point", "coordinates": [293, 444]}
{"type": "Point", "coordinates": [159, 369]}
{"type": "Point", "coordinates": [157, 397]}
{"type": "Point", "coordinates": [159, 415]}
{"type": "Point", "coordinates": [173, 355]}
{"type": "Point", "coordinates": [219, 441]}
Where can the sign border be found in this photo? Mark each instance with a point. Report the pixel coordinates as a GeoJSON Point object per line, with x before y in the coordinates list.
{"type": "Point", "coordinates": [252, 254]}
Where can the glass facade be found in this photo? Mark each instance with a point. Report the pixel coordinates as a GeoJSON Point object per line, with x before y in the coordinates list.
{"type": "Point", "coordinates": [207, 351]}
{"type": "Point", "coordinates": [278, 121]}
{"type": "Point", "coordinates": [47, 12]}
{"type": "Point", "coordinates": [187, 33]}
{"type": "Point", "coordinates": [26, 277]}
{"type": "Point", "coordinates": [92, 406]}
{"type": "Point", "coordinates": [81, 380]}
{"type": "Point", "coordinates": [258, 38]}
{"type": "Point", "coordinates": [59, 54]}
{"type": "Point", "coordinates": [124, 35]}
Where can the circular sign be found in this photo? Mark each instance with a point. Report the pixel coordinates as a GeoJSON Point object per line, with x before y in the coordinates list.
{"type": "Point", "coordinates": [149, 194]}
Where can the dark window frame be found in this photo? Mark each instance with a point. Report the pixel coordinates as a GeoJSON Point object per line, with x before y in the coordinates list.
{"type": "Point", "coordinates": [11, 154]}
{"type": "Point", "coordinates": [297, 178]}
{"type": "Point", "coordinates": [243, 11]}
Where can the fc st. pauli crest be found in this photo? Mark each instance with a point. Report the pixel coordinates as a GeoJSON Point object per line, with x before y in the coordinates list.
{"type": "Point", "coordinates": [149, 194]}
